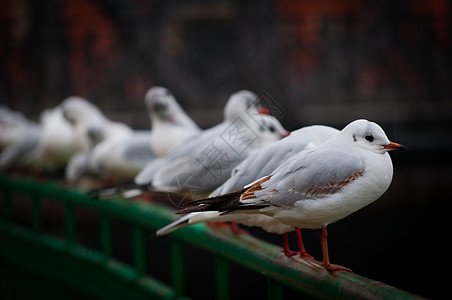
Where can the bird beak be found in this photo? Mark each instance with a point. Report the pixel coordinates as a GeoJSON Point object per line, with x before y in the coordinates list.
{"type": "Point", "coordinates": [264, 111]}
{"type": "Point", "coordinates": [286, 134]}
{"type": "Point", "coordinates": [395, 146]}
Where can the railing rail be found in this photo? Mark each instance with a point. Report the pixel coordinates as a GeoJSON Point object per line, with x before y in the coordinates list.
{"type": "Point", "coordinates": [261, 257]}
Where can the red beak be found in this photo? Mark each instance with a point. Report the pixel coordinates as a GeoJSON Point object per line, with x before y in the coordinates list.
{"type": "Point", "coordinates": [264, 111]}
{"type": "Point", "coordinates": [286, 134]}
{"type": "Point", "coordinates": [395, 146]}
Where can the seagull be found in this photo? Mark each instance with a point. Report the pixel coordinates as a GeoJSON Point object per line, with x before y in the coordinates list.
{"type": "Point", "coordinates": [267, 159]}
{"type": "Point", "coordinates": [318, 187]}
{"type": "Point", "coordinates": [45, 146]}
{"type": "Point", "coordinates": [20, 142]}
{"type": "Point", "coordinates": [84, 116]}
{"type": "Point", "coordinates": [170, 124]}
{"type": "Point", "coordinates": [211, 157]}
{"type": "Point", "coordinates": [57, 141]}
{"type": "Point", "coordinates": [258, 164]}
{"type": "Point", "coordinates": [91, 127]}
{"type": "Point", "coordinates": [12, 124]}
{"type": "Point", "coordinates": [205, 161]}
{"type": "Point", "coordinates": [121, 158]}
{"type": "Point", "coordinates": [80, 169]}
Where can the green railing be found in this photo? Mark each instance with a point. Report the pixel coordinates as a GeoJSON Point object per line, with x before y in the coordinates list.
{"type": "Point", "coordinates": [54, 266]}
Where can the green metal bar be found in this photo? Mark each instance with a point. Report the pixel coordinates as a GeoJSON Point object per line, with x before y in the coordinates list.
{"type": "Point", "coordinates": [74, 268]}
{"type": "Point", "coordinates": [139, 246]}
{"type": "Point", "coordinates": [274, 290]}
{"type": "Point", "coordinates": [8, 205]}
{"type": "Point", "coordinates": [222, 277]}
{"type": "Point", "coordinates": [105, 235]}
{"type": "Point", "coordinates": [36, 213]}
{"type": "Point", "coordinates": [69, 223]}
{"type": "Point", "coordinates": [261, 257]}
{"type": "Point", "coordinates": [177, 266]}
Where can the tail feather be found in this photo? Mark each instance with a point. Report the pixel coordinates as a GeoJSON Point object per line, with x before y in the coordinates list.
{"type": "Point", "coordinates": [126, 189]}
{"type": "Point", "coordinates": [234, 196]}
{"type": "Point", "coordinates": [225, 203]}
{"type": "Point", "coordinates": [189, 219]}
{"type": "Point", "coordinates": [182, 222]}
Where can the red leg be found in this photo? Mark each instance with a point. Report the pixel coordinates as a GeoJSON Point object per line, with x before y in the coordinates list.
{"type": "Point", "coordinates": [301, 248]}
{"type": "Point", "coordinates": [287, 252]}
{"type": "Point", "coordinates": [326, 260]}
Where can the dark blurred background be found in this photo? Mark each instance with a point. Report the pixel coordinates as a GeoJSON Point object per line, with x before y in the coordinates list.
{"type": "Point", "coordinates": [321, 62]}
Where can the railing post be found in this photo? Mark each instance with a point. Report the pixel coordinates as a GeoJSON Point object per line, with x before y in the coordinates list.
{"type": "Point", "coordinates": [274, 290]}
{"type": "Point", "coordinates": [69, 223]}
{"type": "Point", "coordinates": [8, 205]}
{"type": "Point", "coordinates": [177, 266]}
{"type": "Point", "coordinates": [222, 277]}
{"type": "Point", "coordinates": [139, 258]}
{"type": "Point", "coordinates": [105, 235]}
{"type": "Point", "coordinates": [36, 213]}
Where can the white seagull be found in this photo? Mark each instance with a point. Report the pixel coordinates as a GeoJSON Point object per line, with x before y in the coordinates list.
{"type": "Point", "coordinates": [122, 158]}
{"type": "Point", "coordinates": [320, 186]}
{"type": "Point", "coordinates": [210, 161]}
{"type": "Point", "coordinates": [43, 147]}
{"type": "Point", "coordinates": [19, 139]}
{"type": "Point", "coordinates": [57, 141]}
{"type": "Point", "coordinates": [85, 116]}
{"type": "Point", "coordinates": [258, 164]}
{"type": "Point", "coordinates": [201, 163]}
{"type": "Point", "coordinates": [204, 162]}
{"type": "Point", "coordinates": [169, 122]}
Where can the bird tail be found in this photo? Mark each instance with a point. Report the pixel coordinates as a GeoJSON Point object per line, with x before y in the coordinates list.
{"type": "Point", "coordinates": [189, 219]}
{"type": "Point", "coordinates": [128, 189]}
{"type": "Point", "coordinates": [225, 203]}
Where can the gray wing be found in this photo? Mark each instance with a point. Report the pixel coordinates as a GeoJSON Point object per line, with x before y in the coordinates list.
{"type": "Point", "coordinates": [315, 174]}
{"type": "Point", "coordinates": [260, 163]}
{"type": "Point", "coordinates": [138, 148]}
{"type": "Point", "coordinates": [266, 160]}
{"type": "Point", "coordinates": [208, 166]}
{"type": "Point", "coordinates": [177, 155]}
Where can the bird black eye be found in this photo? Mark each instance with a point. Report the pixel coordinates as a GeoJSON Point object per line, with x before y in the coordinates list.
{"type": "Point", "coordinates": [272, 129]}
{"type": "Point", "coordinates": [369, 138]}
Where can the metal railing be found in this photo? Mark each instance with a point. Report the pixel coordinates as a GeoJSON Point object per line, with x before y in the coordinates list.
{"type": "Point", "coordinates": [97, 273]}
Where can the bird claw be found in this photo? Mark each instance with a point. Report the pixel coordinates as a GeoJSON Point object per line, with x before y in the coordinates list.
{"type": "Point", "coordinates": [289, 253]}
{"type": "Point", "coordinates": [336, 268]}
{"type": "Point", "coordinates": [305, 255]}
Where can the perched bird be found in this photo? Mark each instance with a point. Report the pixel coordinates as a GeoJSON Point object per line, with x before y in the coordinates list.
{"type": "Point", "coordinates": [122, 158]}
{"type": "Point", "coordinates": [40, 147]}
{"type": "Point", "coordinates": [205, 162]}
{"type": "Point", "coordinates": [86, 116]}
{"type": "Point", "coordinates": [81, 169]}
{"type": "Point", "coordinates": [91, 127]}
{"type": "Point", "coordinates": [169, 122]}
{"type": "Point", "coordinates": [57, 140]}
{"type": "Point", "coordinates": [11, 126]}
{"type": "Point", "coordinates": [268, 158]}
{"type": "Point", "coordinates": [20, 139]}
{"type": "Point", "coordinates": [320, 186]}
{"type": "Point", "coordinates": [258, 164]}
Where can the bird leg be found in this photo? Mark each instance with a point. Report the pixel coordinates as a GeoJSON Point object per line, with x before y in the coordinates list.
{"type": "Point", "coordinates": [326, 260]}
{"type": "Point", "coordinates": [301, 248]}
{"type": "Point", "coordinates": [287, 252]}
